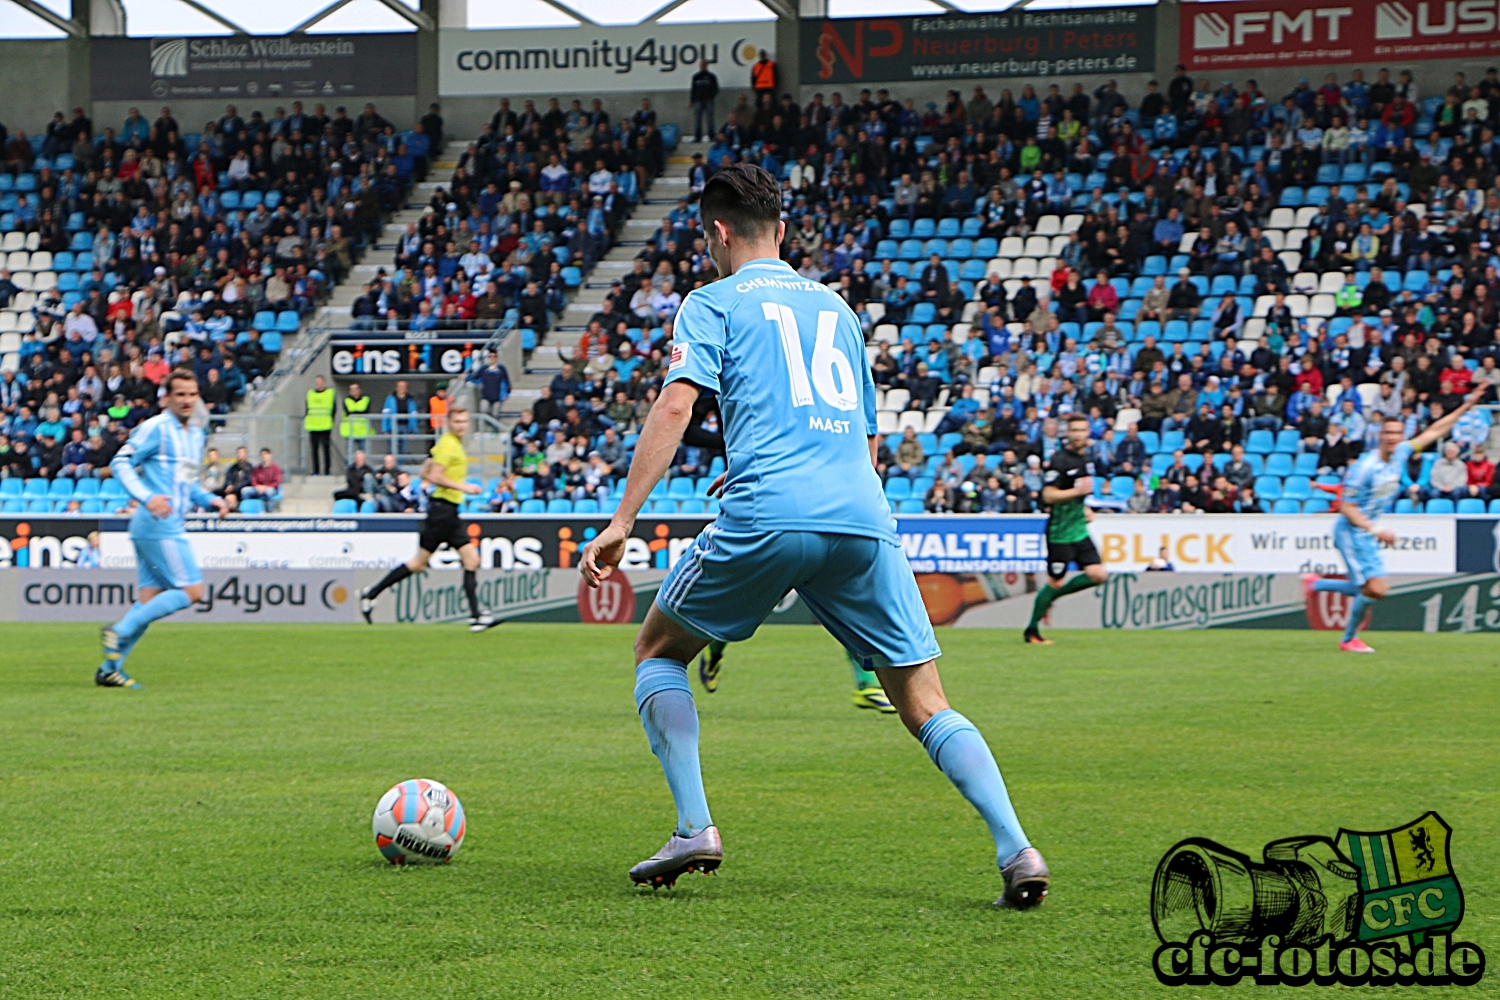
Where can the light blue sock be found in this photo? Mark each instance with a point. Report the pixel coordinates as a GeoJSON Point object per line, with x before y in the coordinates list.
{"type": "Point", "coordinates": [665, 701]}
{"type": "Point", "coordinates": [961, 753]}
{"type": "Point", "coordinates": [1337, 586]}
{"type": "Point", "coordinates": [1356, 616]}
{"type": "Point", "coordinates": [133, 625]}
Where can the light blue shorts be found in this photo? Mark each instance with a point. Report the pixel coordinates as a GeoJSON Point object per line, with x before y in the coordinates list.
{"type": "Point", "coordinates": [861, 589]}
{"type": "Point", "coordinates": [1361, 551]}
{"type": "Point", "coordinates": [166, 563]}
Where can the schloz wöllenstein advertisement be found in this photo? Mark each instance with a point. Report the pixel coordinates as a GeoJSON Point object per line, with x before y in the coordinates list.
{"type": "Point", "coordinates": [593, 58]}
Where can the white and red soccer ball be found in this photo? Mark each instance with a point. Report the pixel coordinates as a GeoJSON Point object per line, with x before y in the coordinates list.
{"type": "Point", "coordinates": [419, 822]}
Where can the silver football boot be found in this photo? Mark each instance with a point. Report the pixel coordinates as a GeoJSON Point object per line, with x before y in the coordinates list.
{"type": "Point", "coordinates": [702, 852]}
{"type": "Point", "coordinates": [1026, 879]}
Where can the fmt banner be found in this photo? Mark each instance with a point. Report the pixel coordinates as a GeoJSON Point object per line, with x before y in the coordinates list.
{"type": "Point", "coordinates": [965, 46]}
{"type": "Point", "coordinates": [1303, 33]}
{"type": "Point", "coordinates": [591, 58]}
{"type": "Point", "coordinates": [289, 67]}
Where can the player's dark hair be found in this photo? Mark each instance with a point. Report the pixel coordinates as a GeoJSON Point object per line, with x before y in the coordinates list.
{"type": "Point", "coordinates": [179, 375]}
{"type": "Point", "coordinates": [1078, 418]}
{"type": "Point", "coordinates": [746, 198]}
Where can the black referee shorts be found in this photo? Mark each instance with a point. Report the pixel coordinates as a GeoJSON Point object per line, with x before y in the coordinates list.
{"type": "Point", "coordinates": [443, 525]}
{"type": "Point", "coordinates": [1060, 554]}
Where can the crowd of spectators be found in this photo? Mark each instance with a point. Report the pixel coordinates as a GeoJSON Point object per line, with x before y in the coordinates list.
{"type": "Point", "coordinates": [133, 250]}
{"type": "Point", "coordinates": [1235, 288]}
{"type": "Point", "coordinates": [536, 199]}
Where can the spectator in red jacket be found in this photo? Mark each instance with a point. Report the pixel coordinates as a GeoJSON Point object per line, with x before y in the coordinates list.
{"type": "Point", "coordinates": [1481, 474]}
{"type": "Point", "coordinates": [265, 480]}
{"type": "Point", "coordinates": [1103, 298]}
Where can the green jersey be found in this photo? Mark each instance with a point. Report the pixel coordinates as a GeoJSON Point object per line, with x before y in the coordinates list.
{"type": "Point", "coordinates": [1067, 521]}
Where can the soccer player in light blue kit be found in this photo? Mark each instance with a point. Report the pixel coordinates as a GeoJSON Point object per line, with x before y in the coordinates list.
{"type": "Point", "coordinates": [1371, 487]}
{"type": "Point", "coordinates": [158, 466]}
{"type": "Point", "coordinates": [802, 508]}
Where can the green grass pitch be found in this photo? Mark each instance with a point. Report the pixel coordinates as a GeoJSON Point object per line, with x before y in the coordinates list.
{"type": "Point", "coordinates": [209, 835]}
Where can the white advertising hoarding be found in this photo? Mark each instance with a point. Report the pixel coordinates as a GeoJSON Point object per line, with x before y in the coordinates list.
{"type": "Point", "coordinates": [1252, 543]}
{"type": "Point", "coordinates": [591, 58]}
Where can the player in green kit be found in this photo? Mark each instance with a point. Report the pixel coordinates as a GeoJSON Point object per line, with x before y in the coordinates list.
{"type": "Point", "coordinates": [1068, 483]}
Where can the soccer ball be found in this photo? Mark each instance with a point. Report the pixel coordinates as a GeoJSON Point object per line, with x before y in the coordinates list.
{"type": "Point", "coordinates": [419, 822]}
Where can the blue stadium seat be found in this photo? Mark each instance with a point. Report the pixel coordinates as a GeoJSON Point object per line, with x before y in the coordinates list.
{"type": "Point", "coordinates": [923, 312]}
{"type": "Point", "coordinates": [1440, 505]}
{"type": "Point", "coordinates": [897, 488]}
{"type": "Point", "coordinates": [910, 507]}
{"type": "Point", "coordinates": [1268, 487]}
{"type": "Point", "coordinates": [1122, 486]}
{"type": "Point", "coordinates": [92, 506]}
{"type": "Point", "coordinates": [14, 505]}
{"type": "Point", "coordinates": [680, 488]}
{"type": "Point", "coordinates": [345, 506]}
{"type": "Point", "coordinates": [533, 506]}
{"type": "Point", "coordinates": [1317, 505]}
{"type": "Point", "coordinates": [111, 489]}
{"type": "Point", "coordinates": [270, 341]}
{"type": "Point", "coordinates": [1296, 488]}
{"type": "Point", "coordinates": [1306, 464]}
{"type": "Point", "coordinates": [254, 505]}
{"type": "Point", "coordinates": [663, 506]}
{"type": "Point", "coordinates": [1495, 506]}
{"type": "Point", "coordinates": [10, 487]}
{"type": "Point", "coordinates": [1471, 505]}
{"type": "Point", "coordinates": [1278, 464]}
{"type": "Point", "coordinates": [1286, 507]}
{"type": "Point", "coordinates": [1406, 505]}
{"type": "Point", "coordinates": [525, 488]}
{"type": "Point", "coordinates": [35, 488]}
{"type": "Point", "coordinates": [367, 507]}
{"type": "Point", "coordinates": [900, 229]}
{"type": "Point", "coordinates": [1172, 441]}
{"type": "Point", "coordinates": [948, 228]}
{"type": "Point", "coordinates": [1260, 443]}
{"type": "Point", "coordinates": [924, 229]}
{"type": "Point", "coordinates": [85, 489]}
{"type": "Point", "coordinates": [1160, 463]}
{"type": "Point", "coordinates": [560, 505]}
{"type": "Point", "coordinates": [1152, 441]}
{"type": "Point", "coordinates": [690, 506]}
{"type": "Point", "coordinates": [287, 321]}
{"type": "Point", "coordinates": [1288, 441]}
{"type": "Point", "coordinates": [587, 505]}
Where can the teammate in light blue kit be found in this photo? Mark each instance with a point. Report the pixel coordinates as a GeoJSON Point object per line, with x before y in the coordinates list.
{"type": "Point", "coordinates": [1371, 487]}
{"type": "Point", "coordinates": [158, 466]}
{"type": "Point", "coordinates": [802, 508]}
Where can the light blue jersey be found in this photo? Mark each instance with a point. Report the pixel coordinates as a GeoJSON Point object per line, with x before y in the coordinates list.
{"type": "Point", "coordinates": [1372, 485]}
{"type": "Point", "coordinates": [787, 358]}
{"type": "Point", "coordinates": [161, 458]}
{"type": "Point", "coordinates": [803, 506]}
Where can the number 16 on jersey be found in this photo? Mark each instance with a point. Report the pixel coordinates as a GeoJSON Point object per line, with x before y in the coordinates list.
{"type": "Point", "coordinates": [832, 374]}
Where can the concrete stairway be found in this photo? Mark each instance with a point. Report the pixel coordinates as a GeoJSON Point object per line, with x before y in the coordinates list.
{"type": "Point", "coordinates": [546, 361]}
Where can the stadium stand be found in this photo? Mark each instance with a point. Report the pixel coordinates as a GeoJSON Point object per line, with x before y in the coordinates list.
{"type": "Point", "coordinates": [129, 253]}
{"type": "Point", "coordinates": [1234, 289]}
